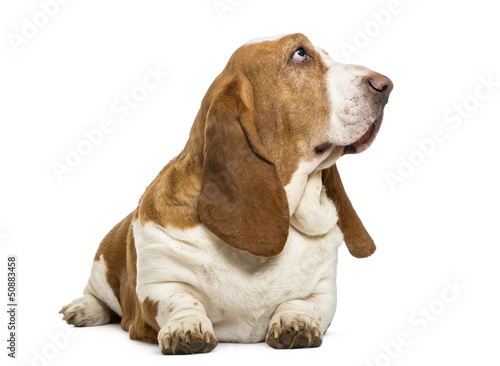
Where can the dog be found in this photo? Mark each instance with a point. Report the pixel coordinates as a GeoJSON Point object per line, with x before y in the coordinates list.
{"type": "Point", "coordinates": [236, 239]}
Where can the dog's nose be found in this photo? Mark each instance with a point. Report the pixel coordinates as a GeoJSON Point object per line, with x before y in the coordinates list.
{"type": "Point", "coordinates": [379, 84]}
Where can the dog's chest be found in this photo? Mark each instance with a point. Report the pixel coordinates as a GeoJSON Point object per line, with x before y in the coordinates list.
{"type": "Point", "coordinates": [239, 291]}
{"type": "Point", "coordinates": [242, 291]}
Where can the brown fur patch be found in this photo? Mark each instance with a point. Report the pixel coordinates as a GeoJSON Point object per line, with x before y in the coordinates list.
{"type": "Point", "coordinates": [242, 200]}
{"type": "Point", "coordinates": [357, 239]}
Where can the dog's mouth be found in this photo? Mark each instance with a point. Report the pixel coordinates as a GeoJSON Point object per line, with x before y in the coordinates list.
{"type": "Point", "coordinates": [364, 141]}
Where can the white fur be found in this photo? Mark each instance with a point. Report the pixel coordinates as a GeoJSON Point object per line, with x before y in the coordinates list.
{"type": "Point", "coordinates": [295, 188]}
{"type": "Point", "coordinates": [316, 214]}
{"type": "Point", "coordinates": [193, 273]}
{"type": "Point", "coordinates": [99, 286]}
{"type": "Point", "coordinates": [347, 94]}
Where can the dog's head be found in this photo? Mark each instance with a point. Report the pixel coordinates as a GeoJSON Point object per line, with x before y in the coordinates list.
{"type": "Point", "coordinates": [280, 108]}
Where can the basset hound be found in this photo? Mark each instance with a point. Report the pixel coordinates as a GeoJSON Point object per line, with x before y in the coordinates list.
{"type": "Point", "coordinates": [236, 239]}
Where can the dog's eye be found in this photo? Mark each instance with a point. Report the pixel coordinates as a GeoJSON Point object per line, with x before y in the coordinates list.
{"type": "Point", "coordinates": [300, 55]}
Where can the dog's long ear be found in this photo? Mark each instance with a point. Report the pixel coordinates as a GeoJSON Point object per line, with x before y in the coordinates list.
{"type": "Point", "coordinates": [357, 239]}
{"type": "Point", "coordinates": [242, 199]}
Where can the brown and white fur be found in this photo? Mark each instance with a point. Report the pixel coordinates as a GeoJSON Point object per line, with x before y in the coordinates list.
{"type": "Point", "coordinates": [236, 239]}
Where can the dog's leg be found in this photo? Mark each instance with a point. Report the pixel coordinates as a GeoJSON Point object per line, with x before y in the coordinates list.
{"type": "Point", "coordinates": [302, 323]}
{"type": "Point", "coordinates": [98, 305]}
{"type": "Point", "coordinates": [166, 288]}
{"type": "Point", "coordinates": [181, 317]}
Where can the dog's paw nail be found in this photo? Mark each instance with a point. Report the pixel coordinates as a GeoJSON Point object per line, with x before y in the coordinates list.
{"type": "Point", "coordinates": [69, 316]}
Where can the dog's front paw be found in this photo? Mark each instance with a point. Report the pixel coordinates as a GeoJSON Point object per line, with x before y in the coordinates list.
{"type": "Point", "coordinates": [193, 334]}
{"type": "Point", "coordinates": [293, 330]}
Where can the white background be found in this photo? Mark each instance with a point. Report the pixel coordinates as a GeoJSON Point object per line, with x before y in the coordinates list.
{"type": "Point", "coordinates": [437, 225]}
